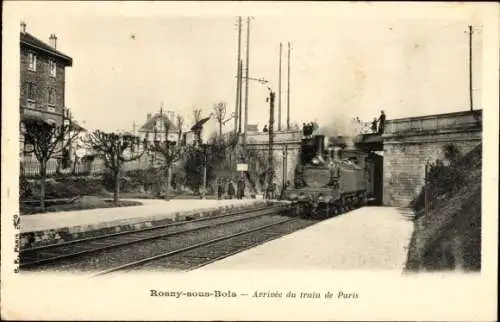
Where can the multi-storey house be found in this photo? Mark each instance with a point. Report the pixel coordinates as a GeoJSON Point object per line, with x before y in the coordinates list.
{"type": "Point", "coordinates": [43, 78]}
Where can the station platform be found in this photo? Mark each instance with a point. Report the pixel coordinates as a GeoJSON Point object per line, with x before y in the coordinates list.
{"type": "Point", "coordinates": [369, 238]}
{"type": "Point", "coordinates": [51, 228]}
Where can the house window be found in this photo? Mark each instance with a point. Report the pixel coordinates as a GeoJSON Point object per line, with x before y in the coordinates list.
{"type": "Point", "coordinates": [52, 66]}
{"type": "Point", "coordinates": [32, 61]}
{"type": "Point", "coordinates": [30, 91]}
{"type": "Point", "coordinates": [52, 96]}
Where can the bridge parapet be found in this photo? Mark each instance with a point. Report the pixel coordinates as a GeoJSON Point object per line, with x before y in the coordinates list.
{"type": "Point", "coordinates": [457, 121]}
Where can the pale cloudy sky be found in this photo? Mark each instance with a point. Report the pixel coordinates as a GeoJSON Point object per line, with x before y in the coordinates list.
{"type": "Point", "coordinates": [343, 63]}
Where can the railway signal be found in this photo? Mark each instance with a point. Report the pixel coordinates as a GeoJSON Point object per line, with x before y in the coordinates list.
{"type": "Point", "coordinates": [271, 139]}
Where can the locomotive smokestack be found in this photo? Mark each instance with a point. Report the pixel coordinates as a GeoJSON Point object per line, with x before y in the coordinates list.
{"type": "Point", "coordinates": [319, 142]}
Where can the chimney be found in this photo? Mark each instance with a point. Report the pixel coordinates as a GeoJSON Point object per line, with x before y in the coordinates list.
{"type": "Point", "coordinates": [23, 27]}
{"type": "Point", "coordinates": [53, 40]}
{"type": "Point", "coordinates": [149, 116]}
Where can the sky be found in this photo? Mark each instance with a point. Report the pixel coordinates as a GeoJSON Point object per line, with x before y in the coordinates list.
{"type": "Point", "coordinates": [342, 65]}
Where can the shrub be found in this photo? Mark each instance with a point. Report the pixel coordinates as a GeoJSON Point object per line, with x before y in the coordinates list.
{"type": "Point", "coordinates": [444, 177]}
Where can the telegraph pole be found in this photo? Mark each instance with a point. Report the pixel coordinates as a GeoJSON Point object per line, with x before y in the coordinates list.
{"type": "Point", "coordinates": [238, 77]}
{"type": "Point", "coordinates": [279, 91]}
{"type": "Point", "coordinates": [288, 93]}
{"type": "Point", "coordinates": [470, 68]}
{"type": "Point", "coordinates": [246, 78]}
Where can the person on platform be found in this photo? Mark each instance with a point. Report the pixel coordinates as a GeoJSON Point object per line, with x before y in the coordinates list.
{"type": "Point", "coordinates": [381, 122]}
{"type": "Point", "coordinates": [241, 188]}
{"type": "Point", "coordinates": [265, 129]}
{"type": "Point", "coordinates": [283, 189]}
{"type": "Point", "coordinates": [220, 189]}
{"type": "Point", "coordinates": [230, 189]}
{"type": "Point", "coordinates": [274, 188]}
{"type": "Point", "coordinates": [269, 191]}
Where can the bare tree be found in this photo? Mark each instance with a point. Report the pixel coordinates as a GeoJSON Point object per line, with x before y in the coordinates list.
{"type": "Point", "coordinates": [220, 110]}
{"type": "Point", "coordinates": [196, 114]}
{"type": "Point", "coordinates": [170, 151]}
{"type": "Point", "coordinates": [197, 127]}
{"type": "Point", "coordinates": [47, 141]}
{"type": "Point", "coordinates": [113, 148]}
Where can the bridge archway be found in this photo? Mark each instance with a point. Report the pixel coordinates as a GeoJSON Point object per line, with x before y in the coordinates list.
{"type": "Point", "coordinates": [375, 171]}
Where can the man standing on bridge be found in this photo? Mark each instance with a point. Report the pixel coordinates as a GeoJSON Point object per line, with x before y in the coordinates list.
{"type": "Point", "coordinates": [381, 123]}
{"type": "Point", "coordinates": [374, 125]}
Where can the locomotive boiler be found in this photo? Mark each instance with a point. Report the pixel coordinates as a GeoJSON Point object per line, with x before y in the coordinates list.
{"type": "Point", "coordinates": [330, 177]}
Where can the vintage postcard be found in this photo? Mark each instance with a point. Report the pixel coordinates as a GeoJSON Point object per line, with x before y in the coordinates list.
{"type": "Point", "coordinates": [249, 161]}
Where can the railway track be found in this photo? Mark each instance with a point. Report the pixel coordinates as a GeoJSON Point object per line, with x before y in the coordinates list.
{"type": "Point", "coordinates": [64, 253]}
{"type": "Point", "coordinates": [209, 250]}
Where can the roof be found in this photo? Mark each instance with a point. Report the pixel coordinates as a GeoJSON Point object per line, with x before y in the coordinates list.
{"type": "Point", "coordinates": [33, 42]}
{"type": "Point", "coordinates": [149, 125]}
{"type": "Point", "coordinates": [77, 127]}
{"type": "Point", "coordinates": [199, 125]}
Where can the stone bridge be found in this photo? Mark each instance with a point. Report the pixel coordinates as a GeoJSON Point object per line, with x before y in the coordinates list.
{"type": "Point", "coordinates": [406, 146]}
{"type": "Point", "coordinates": [409, 143]}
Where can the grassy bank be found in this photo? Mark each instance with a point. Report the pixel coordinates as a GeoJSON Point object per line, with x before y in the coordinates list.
{"type": "Point", "coordinates": [449, 236]}
{"type": "Point", "coordinates": [84, 203]}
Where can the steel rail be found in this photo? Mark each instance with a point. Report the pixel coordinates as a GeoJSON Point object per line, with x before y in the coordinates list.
{"type": "Point", "coordinates": [188, 248]}
{"type": "Point", "coordinates": [268, 211]}
{"type": "Point", "coordinates": [238, 250]}
{"type": "Point", "coordinates": [184, 222]}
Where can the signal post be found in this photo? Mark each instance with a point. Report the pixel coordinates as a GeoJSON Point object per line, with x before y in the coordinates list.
{"type": "Point", "coordinates": [271, 140]}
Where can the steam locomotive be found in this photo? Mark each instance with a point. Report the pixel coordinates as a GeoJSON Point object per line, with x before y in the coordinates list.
{"type": "Point", "coordinates": [331, 180]}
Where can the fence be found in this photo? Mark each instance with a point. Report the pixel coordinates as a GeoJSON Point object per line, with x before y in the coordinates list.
{"type": "Point", "coordinates": [441, 181]}
{"type": "Point", "coordinates": [30, 168]}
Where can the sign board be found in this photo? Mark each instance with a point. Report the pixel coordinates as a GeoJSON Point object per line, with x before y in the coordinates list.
{"type": "Point", "coordinates": [242, 167]}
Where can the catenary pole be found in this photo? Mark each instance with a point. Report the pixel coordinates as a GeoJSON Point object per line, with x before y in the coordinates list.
{"type": "Point", "coordinates": [279, 90]}
{"type": "Point", "coordinates": [240, 80]}
{"type": "Point", "coordinates": [238, 76]}
{"type": "Point", "coordinates": [470, 69]}
{"type": "Point", "coordinates": [247, 70]}
{"type": "Point", "coordinates": [288, 93]}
